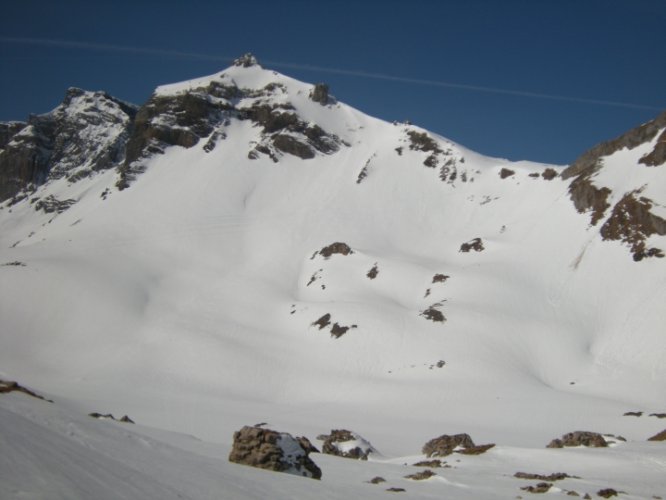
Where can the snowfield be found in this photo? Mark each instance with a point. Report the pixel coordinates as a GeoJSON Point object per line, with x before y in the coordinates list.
{"type": "Point", "coordinates": [189, 300]}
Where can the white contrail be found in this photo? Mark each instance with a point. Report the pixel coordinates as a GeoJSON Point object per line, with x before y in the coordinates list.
{"type": "Point", "coordinates": [321, 69]}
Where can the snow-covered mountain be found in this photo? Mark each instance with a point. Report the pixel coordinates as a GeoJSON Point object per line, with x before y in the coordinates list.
{"type": "Point", "coordinates": [244, 248]}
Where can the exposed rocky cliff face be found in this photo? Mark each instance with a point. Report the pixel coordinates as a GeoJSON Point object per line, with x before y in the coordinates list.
{"type": "Point", "coordinates": [208, 108]}
{"type": "Point", "coordinates": [85, 134]}
{"type": "Point", "coordinates": [626, 216]}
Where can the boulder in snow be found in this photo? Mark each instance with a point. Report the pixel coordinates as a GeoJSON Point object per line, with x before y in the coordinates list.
{"type": "Point", "coordinates": [661, 436]}
{"type": "Point", "coordinates": [579, 438]}
{"type": "Point", "coordinates": [272, 450]}
{"type": "Point", "coordinates": [348, 444]}
{"type": "Point", "coordinates": [445, 445]}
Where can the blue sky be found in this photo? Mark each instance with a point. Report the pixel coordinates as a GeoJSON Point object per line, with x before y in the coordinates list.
{"type": "Point", "coordinates": [521, 79]}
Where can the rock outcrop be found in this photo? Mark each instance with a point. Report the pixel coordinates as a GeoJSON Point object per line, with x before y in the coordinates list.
{"type": "Point", "coordinates": [444, 445]}
{"type": "Point", "coordinates": [475, 244]}
{"type": "Point", "coordinates": [347, 444]}
{"type": "Point", "coordinates": [579, 438]}
{"type": "Point", "coordinates": [85, 134]}
{"type": "Point", "coordinates": [627, 218]}
{"type": "Point", "coordinates": [320, 94]}
{"type": "Point", "coordinates": [272, 450]}
{"type": "Point", "coordinates": [339, 248]}
{"type": "Point", "coordinates": [660, 436]}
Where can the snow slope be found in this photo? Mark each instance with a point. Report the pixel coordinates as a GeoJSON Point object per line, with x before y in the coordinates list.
{"type": "Point", "coordinates": [188, 301]}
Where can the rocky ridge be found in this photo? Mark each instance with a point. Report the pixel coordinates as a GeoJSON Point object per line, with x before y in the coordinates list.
{"type": "Point", "coordinates": [92, 131]}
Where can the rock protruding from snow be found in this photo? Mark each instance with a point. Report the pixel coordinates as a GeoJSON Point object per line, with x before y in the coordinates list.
{"type": "Point", "coordinates": [272, 450]}
{"type": "Point", "coordinates": [661, 436]}
{"type": "Point", "coordinates": [7, 386]}
{"type": "Point", "coordinates": [347, 444]}
{"type": "Point", "coordinates": [246, 61]}
{"type": "Point", "coordinates": [444, 445]}
{"type": "Point", "coordinates": [320, 94]}
{"type": "Point", "coordinates": [579, 438]}
{"type": "Point", "coordinates": [632, 222]}
{"type": "Point", "coordinates": [335, 248]}
{"type": "Point", "coordinates": [476, 244]}
{"type": "Point", "coordinates": [594, 187]}
{"type": "Point", "coordinates": [108, 416]}
{"type": "Point", "coordinates": [85, 134]}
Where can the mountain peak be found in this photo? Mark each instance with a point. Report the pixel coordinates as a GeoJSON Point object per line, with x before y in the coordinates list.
{"type": "Point", "coordinates": [246, 60]}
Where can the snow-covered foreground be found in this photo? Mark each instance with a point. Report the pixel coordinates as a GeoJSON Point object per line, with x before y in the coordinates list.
{"type": "Point", "coordinates": [52, 452]}
{"type": "Point", "coordinates": [189, 301]}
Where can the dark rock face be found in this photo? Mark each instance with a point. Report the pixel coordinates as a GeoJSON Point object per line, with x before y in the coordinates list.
{"type": "Point", "coordinates": [588, 197]}
{"type": "Point", "coordinates": [630, 219]}
{"type": "Point", "coordinates": [629, 140]}
{"type": "Point", "coordinates": [8, 131]}
{"type": "Point", "coordinates": [579, 438]}
{"type": "Point", "coordinates": [658, 155]}
{"type": "Point", "coordinates": [347, 444]}
{"type": "Point", "coordinates": [632, 222]}
{"type": "Point", "coordinates": [24, 161]}
{"type": "Point", "coordinates": [549, 174]}
{"type": "Point", "coordinates": [607, 493]}
{"type": "Point", "coordinates": [320, 94]}
{"type": "Point", "coordinates": [291, 145]}
{"type": "Point", "coordinates": [272, 450]}
{"type": "Point", "coordinates": [85, 134]}
{"type": "Point", "coordinates": [183, 119]}
{"type": "Point", "coordinates": [179, 120]}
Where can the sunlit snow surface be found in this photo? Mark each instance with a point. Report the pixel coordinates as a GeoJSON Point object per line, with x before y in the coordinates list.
{"type": "Point", "coordinates": [188, 300]}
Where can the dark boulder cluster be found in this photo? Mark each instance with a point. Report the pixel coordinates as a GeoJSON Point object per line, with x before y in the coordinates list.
{"type": "Point", "coordinates": [437, 157]}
